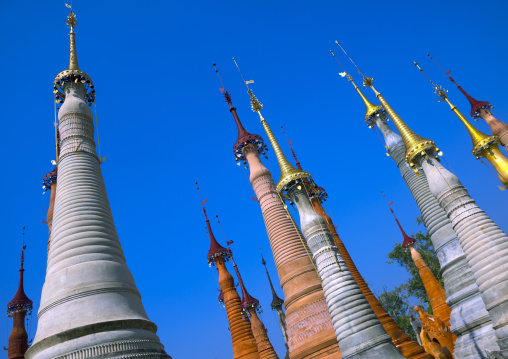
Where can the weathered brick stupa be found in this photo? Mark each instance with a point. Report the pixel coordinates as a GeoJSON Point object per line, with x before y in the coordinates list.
{"type": "Point", "coordinates": [483, 242]}
{"type": "Point", "coordinates": [49, 184]}
{"type": "Point", "coordinates": [482, 109]}
{"type": "Point", "coordinates": [90, 306]}
{"type": "Point", "coordinates": [403, 342]}
{"type": "Point", "coordinates": [251, 307]}
{"type": "Point", "coordinates": [483, 145]}
{"type": "Point", "coordinates": [310, 331]}
{"type": "Point", "coordinates": [358, 330]}
{"type": "Point", "coordinates": [276, 305]}
{"type": "Point", "coordinates": [244, 343]}
{"type": "Point", "coordinates": [18, 308]}
{"type": "Point", "coordinates": [469, 318]}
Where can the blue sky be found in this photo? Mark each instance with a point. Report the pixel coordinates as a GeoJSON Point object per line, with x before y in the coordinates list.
{"type": "Point", "coordinates": [163, 125]}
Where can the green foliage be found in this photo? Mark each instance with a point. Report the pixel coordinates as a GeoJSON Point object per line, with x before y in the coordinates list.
{"type": "Point", "coordinates": [397, 302]}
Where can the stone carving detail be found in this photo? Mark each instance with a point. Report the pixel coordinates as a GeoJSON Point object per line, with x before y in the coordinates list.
{"type": "Point", "coordinates": [119, 347]}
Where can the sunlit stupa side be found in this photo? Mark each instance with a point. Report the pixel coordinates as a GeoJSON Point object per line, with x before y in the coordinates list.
{"type": "Point", "coordinates": [403, 342]}
{"type": "Point", "coordinates": [483, 242]}
{"type": "Point", "coordinates": [90, 306]}
{"type": "Point", "coordinates": [469, 318]}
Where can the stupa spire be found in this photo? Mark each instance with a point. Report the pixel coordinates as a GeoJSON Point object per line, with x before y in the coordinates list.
{"type": "Point", "coordinates": [335, 275]}
{"type": "Point", "coordinates": [242, 338]}
{"type": "Point", "coordinates": [288, 173]}
{"type": "Point", "coordinates": [216, 249]}
{"type": "Point", "coordinates": [244, 137]}
{"type": "Point", "coordinates": [18, 308]}
{"type": "Point", "coordinates": [433, 288]}
{"type": "Point", "coordinates": [87, 274]}
{"type": "Point", "coordinates": [481, 109]}
{"type": "Point", "coordinates": [309, 327]}
{"type": "Point", "coordinates": [251, 306]}
{"type": "Point", "coordinates": [72, 23]}
{"type": "Point", "coordinates": [483, 145]}
{"type": "Point", "coordinates": [415, 145]}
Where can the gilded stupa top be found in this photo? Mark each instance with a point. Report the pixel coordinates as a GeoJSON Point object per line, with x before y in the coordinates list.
{"type": "Point", "coordinates": [372, 109]}
{"type": "Point", "coordinates": [480, 140]}
{"type": "Point", "coordinates": [416, 146]}
{"type": "Point", "coordinates": [73, 73]}
{"type": "Point", "coordinates": [289, 175]}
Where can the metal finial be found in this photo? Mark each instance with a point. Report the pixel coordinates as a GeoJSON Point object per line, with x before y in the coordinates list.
{"type": "Point", "coordinates": [71, 18]}
{"type": "Point", "coordinates": [202, 202]}
{"type": "Point", "coordinates": [407, 240]}
{"type": "Point", "coordinates": [440, 91]}
{"type": "Point", "coordinates": [342, 74]}
{"type": "Point", "coordinates": [254, 102]}
{"type": "Point", "coordinates": [227, 96]}
{"type": "Point", "coordinates": [367, 81]}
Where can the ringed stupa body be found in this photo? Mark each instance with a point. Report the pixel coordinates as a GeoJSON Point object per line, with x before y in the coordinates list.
{"type": "Point", "coordinates": [358, 330]}
{"type": "Point", "coordinates": [309, 328]}
{"type": "Point", "coordinates": [469, 319]}
{"type": "Point", "coordinates": [90, 306]}
{"type": "Point", "coordinates": [408, 348]}
{"type": "Point", "coordinates": [484, 244]}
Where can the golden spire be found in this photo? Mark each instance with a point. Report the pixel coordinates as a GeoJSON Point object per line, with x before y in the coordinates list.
{"type": "Point", "coordinates": [371, 108]}
{"type": "Point", "coordinates": [483, 145]}
{"type": "Point", "coordinates": [415, 145]}
{"type": "Point", "coordinates": [288, 173]}
{"type": "Point", "coordinates": [72, 23]}
{"type": "Point", "coordinates": [480, 139]}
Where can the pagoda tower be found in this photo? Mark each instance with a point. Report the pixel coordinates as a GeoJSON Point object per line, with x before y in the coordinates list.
{"type": "Point", "coordinates": [310, 330]}
{"type": "Point", "coordinates": [49, 184]}
{"type": "Point", "coordinates": [358, 330]}
{"type": "Point", "coordinates": [482, 109]}
{"type": "Point", "coordinates": [469, 318]}
{"type": "Point", "coordinates": [276, 305]}
{"type": "Point", "coordinates": [483, 145]}
{"type": "Point", "coordinates": [484, 244]}
{"type": "Point", "coordinates": [250, 305]}
{"type": "Point", "coordinates": [90, 306]}
{"type": "Point", "coordinates": [244, 344]}
{"type": "Point", "coordinates": [433, 288]}
{"type": "Point", "coordinates": [18, 308]}
{"type": "Point", "coordinates": [403, 342]}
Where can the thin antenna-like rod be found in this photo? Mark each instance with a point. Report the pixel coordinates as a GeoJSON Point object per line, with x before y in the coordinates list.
{"type": "Point", "coordinates": [338, 60]}
{"type": "Point", "coordinates": [220, 226]}
{"type": "Point", "coordinates": [446, 72]}
{"type": "Point", "coordinates": [284, 132]}
{"type": "Point", "coordinates": [202, 202]}
{"type": "Point", "coordinates": [428, 78]}
{"type": "Point", "coordinates": [217, 71]}
{"type": "Point", "coordinates": [245, 82]}
{"type": "Point", "coordinates": [389, 204]}
{"type": "Point", "coordinates": [349, 58]}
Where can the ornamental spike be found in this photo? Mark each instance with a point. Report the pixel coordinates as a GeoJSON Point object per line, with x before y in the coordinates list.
{"type": "Point", "coordinates": [408, 241]}
{"type": "Point", "coordinates": [288, 173]}
{"type": "Point", "coordinates": [476, 105]}
{"type": "Point", "coordinates": [72, 23]}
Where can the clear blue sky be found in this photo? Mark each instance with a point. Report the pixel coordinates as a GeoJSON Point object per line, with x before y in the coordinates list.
{"type": "Point", "coordinates": [163, 125]}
